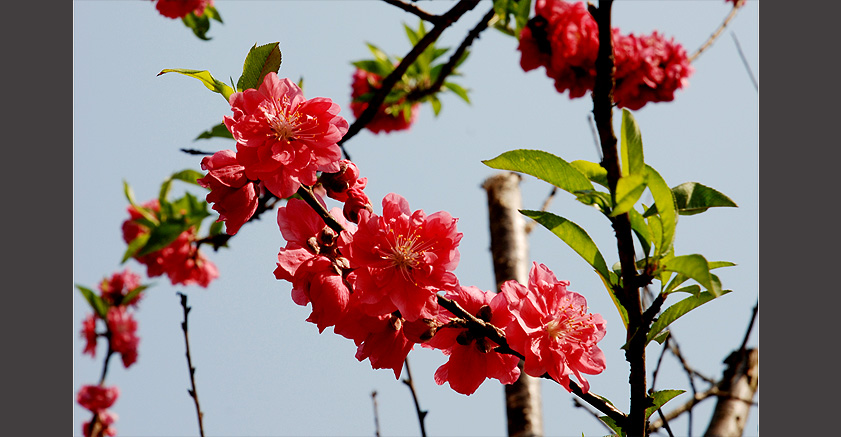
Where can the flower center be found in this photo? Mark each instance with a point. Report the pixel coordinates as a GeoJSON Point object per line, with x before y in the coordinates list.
{"type": "Point", "coordinates": [405, 253]}
{"type": "Point", "coordinates": [570, 320]}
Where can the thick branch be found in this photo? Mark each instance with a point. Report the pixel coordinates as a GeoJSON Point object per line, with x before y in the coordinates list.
{"type": "Point", "coordinates": [629, 293]}
{"type": "Point", "coordinates": [509, 250]}
{"type": "Point", "coordinates": [447, 19]}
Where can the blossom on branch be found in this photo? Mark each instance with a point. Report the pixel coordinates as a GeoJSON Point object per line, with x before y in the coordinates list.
{"type": "Point", "coordinates": [311, 262]}
{"type": "Point", "coordinates": [96, 398]}
{"type": "Point", "coordinates": [181, 8]}
{"type": "Point", "coordinates": [552, 328]}
{"type": "Point", "coordinates": [282, 138]}
{"type": "Point", "coordinates": [116, 288]}
{"type": "Point", "coordinates": [472, 358]}
{"type": "Point", "coordinates": [402, 258]}
{"type": "Point", "coordinates": [564, 38]}
{"type": "Point", "coordinates": [89, 334]}
{"type": "Point", "coordinates": [346, 186]}
{"type": "Point", "coordinates": [233, 195]}
{"type": "Point", "coordinates": [390, 116]}
{"type": "Point", "coordinates": [104, 419]}
{"type": "Point", "coordinates": [181, 260]}
{"type": "Point", "coordinates": [122, 329]}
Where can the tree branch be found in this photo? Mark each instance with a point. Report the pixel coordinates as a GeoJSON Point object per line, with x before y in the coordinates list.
{"type": "Point", "coordinates": [718, 31]}
{"type": "Point", "coordinates": [447, 19]}
{"type": "Point", "coordinates": [416, 11]}
{"type": "Point", "coordinates": [450, 66]}
{"type": "Point", "coordinates": [410, 383]}
{"type": "Point", "coordinates": [192, 391]}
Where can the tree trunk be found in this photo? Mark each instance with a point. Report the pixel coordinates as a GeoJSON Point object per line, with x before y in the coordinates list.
{"type": "Point", "coordinates": [737, 388]}
{"type": "Point", "coordinates": [509, 249]}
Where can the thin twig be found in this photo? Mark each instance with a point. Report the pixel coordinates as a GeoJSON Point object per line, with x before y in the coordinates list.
{"type": "Point", "coordinates": [414, 10]}
{"type": "Point", "coordinates": [447, 19]}
{"type": "Point", "coordinates": [376, 414]}
{"type": "Point", "coordinates": [750, 325]}
{"type": "Point", "coordinates": [745, 62]}
{"type": "Point", "coordinates": [410, 383]}
{"type": "Point", "coordinates": [196, 152]}
{"type": "Point", "coordinates": [718, 31]}
{"type": "Point", "coordinates": [697, 398]}
{"type": "Point", "coordinates": [578, 404]}
{"type": "Point", "coordinates": [192, 391]}
{"type": "Point", "coordinates": [665, 422]}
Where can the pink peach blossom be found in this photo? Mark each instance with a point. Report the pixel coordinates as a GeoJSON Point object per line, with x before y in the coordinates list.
{"type": "Point", "coordinates": [471, 358]}
{"type": "Point", "coordinates": [402, 258]}
{"type": "Point", "coordinates": [96, 397]}
{"type": "Point", "coordinates": [388, 118]}
{"type": "Point", "coordinates": [123, 334]}
{"type": "Point", "coordinates": [282, 138]}
{"type": "Point", "coordinates": [89, 334]}
{"type": "Point", "coordinates": [114, 289]}
{"type": "Point", "coordinates": [553, 329]}
{"type": "Point", "coordinates": [233, 195]}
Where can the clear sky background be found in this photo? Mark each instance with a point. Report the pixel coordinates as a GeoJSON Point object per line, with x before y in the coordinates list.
{"type": "Point", "coordinates": [261, 369]}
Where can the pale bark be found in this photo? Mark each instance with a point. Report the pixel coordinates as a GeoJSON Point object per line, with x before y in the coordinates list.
{"type": "Point", "coordinates": [509, 249]}
{"type": "Point", "coordinates": [736, 392]}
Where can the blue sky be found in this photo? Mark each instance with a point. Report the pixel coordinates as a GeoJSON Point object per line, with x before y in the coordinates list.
{"type": "Point", "coordinates": [263, 370]}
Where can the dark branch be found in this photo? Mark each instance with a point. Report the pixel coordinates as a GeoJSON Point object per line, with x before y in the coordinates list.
{"type": "Point", "coordinates": [192, 391]}
{"type": "Point", "coordinates": [410, 383]}
{"type": "Point", "coordinates": [414, 10]}
{"type": "Point", "coordinates": [447, 19]}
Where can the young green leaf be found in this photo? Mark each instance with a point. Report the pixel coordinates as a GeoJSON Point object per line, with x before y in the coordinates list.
{"type": "Point", "coordinates": [693, 198]}
{"type": "Point", "coordinates": [629, 189]}
{"type": "Point", "coordinates": [665, 203]}
{"type": "Point", "coordinates": [188, 175]}
{"type": "Point", "coordinates": [593, 171]}
{"type": "Point", "coordinates": [631, 145]}
{"type": "Point", "coordinates": [696, 267]}
{"type": "Point", "coordinates": [677, 310]}
{"type": "Point", "coordinates": [129, 193]}
{"type": "Point", "coordinates": [199, 24]}
{"type": "Point", "coordinates": [161, 236]}
{"type": "Point", "coordinates": [259, 62]}
{"type": "Point", "coordinates": [613, 425]}
{"type": "Point", "coordinates": [641, 229]}
{"type": "Point", "coordinates": [544, 166]}
{"type": "Point", "coordinates": [218, 131]}
{"type": "Point", "coordinates": [97, 304]}
{"type": "Point", "coordinates": [134, 293]}
{"type": "Point", "coordinates": [574, 236]}
{"type": "Point", "coordinates": [456, 88]}
{"type": "Point", "coordinates": [660, 398]}
{"type": "Point", "coordinates": [211, 12]}
{"type": "Point", "coordinates": [204, 76]}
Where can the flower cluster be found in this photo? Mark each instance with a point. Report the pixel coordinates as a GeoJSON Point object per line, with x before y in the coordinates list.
{"type": "Point", "coordinates": [119, 292]}
{"type": "Point", "coordinates": [379, 279]}
{"type": "Point", "coordinates": [181, 8]}
{"type": "Point", "coordinates": [564, 38]}
{"type": "Point", "coordinates": [390, 117]}
{"type": "Point", "coordinates": [97, 399]}
{"type": "Point", "coordinates": [180, 260]}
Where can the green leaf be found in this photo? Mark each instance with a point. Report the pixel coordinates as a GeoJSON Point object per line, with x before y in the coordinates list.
{"type": "Point", "coordinates": [677, 310]}
{"type": "Point", "coordinates": [216, 228]}
{"type": "Point", "coordinates": [662, 337]}
{"type": "Point", "coordinates": [212, 13]}
{"type": "Point", "coordinates": [574, 236]}
{"type": "Point", "coordinates": [188, 175]}
{"type": "Point", "coordinates": [134, 293]}
{"type": "Point", "coordinates": [259, 62]}
{"type": "Point", "coordinates": [436, 105]}
{"type": "Point", "coordinates": [693, 198]}
{"type": "Point", "coordinates": [629, 189]}
{"type": "Point", "coordinates": [410, 33]}
{"type": "Point", "coordinates": [591, 197]}
{"type": "Point", "coordinates": [544, 166]}
{"type": "Point", "coordinates": [456, 88]}
{"type": "Point", "coordinates": [378, 54]}
{"type": "Point", "coordinates": [641, 229]}
{"type": "Point", "coordinates": [148, 215]}
{"type": "Point", "coordinates": [199, 24]}
{"type": "Point", "coordinates": [665, 203]}
{"type": "Point", "coordinates": [134, 246]}
{"type": "Point", "coordinates": [161, 236]}
{"type": "Point", "coordinates": [613, 425]}
{"type": "Point", "coordinates": [696, 267]}
{"type": "Point", "coordinates": [98, 305]}
{"type": "Point", "coordinates": [631, 145]}
{"type": "Point", "coordinates": [204, 76]}
{"type": "Point", "coordinates": [372, 66]}
{"type": "Point", "coordinates": [693, 289]}
{"type": "Point", "coordinates": [594, 172]}
{"type": "Point", "coordinates": [660, 398]}
{"type": "Point", "coordinates": [218, 131]}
